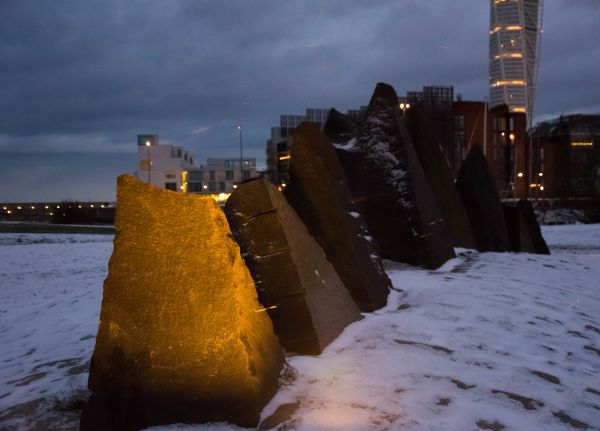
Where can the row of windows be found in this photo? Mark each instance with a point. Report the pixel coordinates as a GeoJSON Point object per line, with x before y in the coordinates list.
{"type": "Point", "coordinates": [513, 69]}
{"type": "Point", "coordinates": [505, 42]}
{"type": "Point", "coordinates": [179, 153]}
{"type": "Point", "coordinates": [505, 14]}
{"type": "Point", "coordinates": [236, 163]}
{"type": "Point", "coordinates": [291, 121]}
{"type": "Point", "coordinates": [211, 187]}
{"type": "Point", "coordinates": [212, 176]}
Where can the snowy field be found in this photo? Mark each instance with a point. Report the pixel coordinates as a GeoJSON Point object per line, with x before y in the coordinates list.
{"type": "Point", "coordinates": [489, 341]}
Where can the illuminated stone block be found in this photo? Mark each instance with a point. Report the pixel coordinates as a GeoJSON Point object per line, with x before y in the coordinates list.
{"type": "Point", "coordinates": [182, 336]}
{"type": "Point", "coordinates": [309, 304]}
{"type": "Point", "coordinates": [482, 203]}
{"type": "Point", "coordinates": [319, 193]}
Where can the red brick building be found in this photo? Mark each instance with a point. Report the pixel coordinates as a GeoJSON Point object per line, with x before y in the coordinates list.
{"type": "Point", "coordinates": [502, 136]}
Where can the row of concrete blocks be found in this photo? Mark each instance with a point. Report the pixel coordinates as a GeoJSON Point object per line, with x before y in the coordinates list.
{"type": "Point", "coordinates": [199, 304]}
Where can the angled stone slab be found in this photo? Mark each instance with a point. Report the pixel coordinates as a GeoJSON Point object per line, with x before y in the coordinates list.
{"type": "Point", "coordinates": [182, 336]}
{"type": "Point", "coordinates": [305, 297]}
{"type": "Point", "coordinates": [342, 132]}
{"type": "Point", "coordinates": [319, 193]}
{"type": "Point", "coordinates": [513, 226]}
{"type": "Point", "coordinates": [440, 179]}
{"type": "Point", "coordinates": [339, 128]}
{"type": "Point", "coordinates": [482, 203]}
{"type": "Point", "coordinates": [532, 226]}
{"type": "Point", "coordinates": [395, 197]}
{"type": "Point", "coordinates": [524, 232]}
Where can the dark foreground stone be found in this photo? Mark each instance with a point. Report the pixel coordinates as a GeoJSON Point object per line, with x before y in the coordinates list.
{"type": "Point", "coordinates": [533, 227]}
{"type": "Point", "coordinates": [440, 179]}
{"type": "Point", "coordinates": [319, 193]}
{"type": "Point", "coordinates": [523, 229]}
{"type": "Point", "coordinates": [482, 203]}
{"type": "Point", "coordinates": [307, 301]}
{"type": "Point", "coordinates": [182, 336]}
{"type": "Point", "coordinates": [339, 128]}
{"type": "Point", "coordinates": [391, 189]}
{"type": "Point", "coordinates": [513, 226]}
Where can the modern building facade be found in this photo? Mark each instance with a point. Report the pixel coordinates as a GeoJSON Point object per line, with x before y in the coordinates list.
{"type": "Point", "coordinates": [435, 102]}
{"type": "Point", "coordinates": [566, 157]}
{"type": "Point", "coordinates": [280, 143]}
{"type": "Point", "coordinates": [164, 166]}
{"type": "Point", "coordinates": [219, 176]}
{"type": "Point", "coordinates": [502, 136]}
{"type": "Point", "coordinates": [515, 41]}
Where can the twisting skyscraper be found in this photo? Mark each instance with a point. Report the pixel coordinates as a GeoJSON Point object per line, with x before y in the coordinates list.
{"type": "Point", "coordinates": [515, 37]}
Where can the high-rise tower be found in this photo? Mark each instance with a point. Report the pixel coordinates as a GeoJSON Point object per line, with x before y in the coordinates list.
{"type": "Point", "coordinates": [515, 37]}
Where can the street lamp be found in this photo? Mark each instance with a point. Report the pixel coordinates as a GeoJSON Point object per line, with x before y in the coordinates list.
{"type": "Point", "coordinates": [239, 127]}
{"type": "Point", "coordinates": [149, 161]}
{"type": "Point", "coordinates": [404, 107]}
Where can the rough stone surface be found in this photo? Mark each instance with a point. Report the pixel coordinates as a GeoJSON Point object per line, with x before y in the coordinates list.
{"type": "Point", "coordinates": [533, 227]}
{"type": "Point", "coordinates": [524, 232]}
{"type": "Point", "coordinates": [339, 128]}
{"type": "Point", "coordinates": [482, 203]}
{"type": "Point", "coordinates": [440, 179]}
{"type": "Point", "coordinates": [391, 189]}
{"type": "Point", "coordinates": [182, 336]}
{"type": "Point", "coordinates": [319, 193]}
{"type": "Point", "coordinates": [513, 226]}
{"type": "Point", "coordinates": [309, 304]}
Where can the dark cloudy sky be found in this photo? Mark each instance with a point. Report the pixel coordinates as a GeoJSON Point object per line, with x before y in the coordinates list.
{"type": "Point", "coordinates": [79, 79]}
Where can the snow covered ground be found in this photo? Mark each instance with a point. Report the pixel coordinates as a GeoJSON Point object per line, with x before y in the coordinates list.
{"type": "Point", "coordinates": [489, 341]}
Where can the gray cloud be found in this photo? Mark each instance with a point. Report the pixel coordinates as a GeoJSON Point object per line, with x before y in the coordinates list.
{"type": "Point", "coordinates": [81, 79]}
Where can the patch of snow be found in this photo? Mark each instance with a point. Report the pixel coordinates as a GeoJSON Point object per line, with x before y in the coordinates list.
{"type": "Point", "coordinates": [348, 146]}
{"type": "Point", "coordinates": [488, 338]}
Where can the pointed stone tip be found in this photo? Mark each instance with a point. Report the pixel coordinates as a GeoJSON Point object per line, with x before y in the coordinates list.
{"type": "Point", "coordinates": [384, 94]}
{"type": "Point", "coordinates": [338, 125]}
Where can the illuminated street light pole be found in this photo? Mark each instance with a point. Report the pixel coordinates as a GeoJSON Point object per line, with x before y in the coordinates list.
{"type": "Point", "coordinates": [403, 108]}
{"type": "Point", "coordinates": [241, 154]}
{"type": "Point", "coordinates": [149, 161]}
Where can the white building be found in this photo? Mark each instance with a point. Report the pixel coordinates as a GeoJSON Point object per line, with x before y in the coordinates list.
{"type": "Point", "coordinates": [515, 37]}
{"type": "Point", "coordinates": [219, 175]}
{"type": "Point", "coordinates": [164, 166]}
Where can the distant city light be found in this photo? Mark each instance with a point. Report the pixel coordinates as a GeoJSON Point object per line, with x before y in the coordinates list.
{"type": "Point", "coordinates": [520, 175]}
